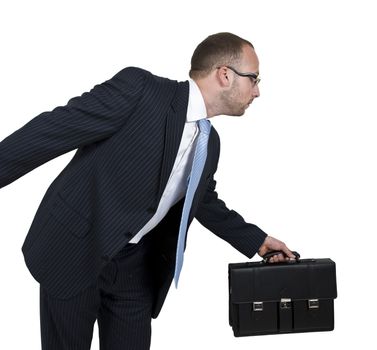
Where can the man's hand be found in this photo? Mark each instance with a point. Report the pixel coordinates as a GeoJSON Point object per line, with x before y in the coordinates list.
{"type": "Point", "coordinates": [270, 244]}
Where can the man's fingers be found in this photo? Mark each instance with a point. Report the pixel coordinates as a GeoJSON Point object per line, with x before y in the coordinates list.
{"type": "Point", "coordinates": [288, 253]}
{"type": "Point", "coordinates": [281, 258]}
{"type": "Point", "coordinates": [271, 243]}
{"type": "Point", "coordinates": [277, 258]}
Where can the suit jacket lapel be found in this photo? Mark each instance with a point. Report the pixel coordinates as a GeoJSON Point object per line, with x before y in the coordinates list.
{"type": "Point", "coordinates": [175, 123]}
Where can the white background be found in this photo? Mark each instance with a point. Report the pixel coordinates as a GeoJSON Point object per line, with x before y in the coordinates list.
{"type": "Point", "coordinates": [300, 164]}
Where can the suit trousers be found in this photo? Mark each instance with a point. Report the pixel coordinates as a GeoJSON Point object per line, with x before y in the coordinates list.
{"type": "Point", "coordinates": [121, 301]}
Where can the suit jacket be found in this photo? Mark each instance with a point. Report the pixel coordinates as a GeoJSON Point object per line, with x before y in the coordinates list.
{"type": "Point", "coordinates": [127, 131]}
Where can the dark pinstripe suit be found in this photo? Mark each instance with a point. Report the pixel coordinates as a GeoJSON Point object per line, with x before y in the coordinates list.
{"type": "Point", "coordinates": [127, 131]}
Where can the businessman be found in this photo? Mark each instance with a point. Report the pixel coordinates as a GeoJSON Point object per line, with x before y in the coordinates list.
{"type": "Point", "coordinates": [109, 234]}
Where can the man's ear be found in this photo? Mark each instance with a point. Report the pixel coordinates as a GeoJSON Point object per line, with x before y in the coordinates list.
{"type": "Point", "coordinates": [222, 75]}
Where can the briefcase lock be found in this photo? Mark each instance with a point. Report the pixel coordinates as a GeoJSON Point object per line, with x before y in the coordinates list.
{"type": "Point", "coordinates": [257, 306]}
{"type": "Point", "coordinates": [285, 303]}
{"type": "Point", "coordinates": [313, 304]}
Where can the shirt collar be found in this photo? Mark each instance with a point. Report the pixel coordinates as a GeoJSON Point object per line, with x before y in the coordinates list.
{"type": "Point", "coordinates": [196, 108]}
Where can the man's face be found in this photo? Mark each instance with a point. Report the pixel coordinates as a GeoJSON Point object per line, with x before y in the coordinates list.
{"type": "Point", "coordinates": [242, 91]}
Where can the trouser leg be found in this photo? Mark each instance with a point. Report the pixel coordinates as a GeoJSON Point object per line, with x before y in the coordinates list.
{"type": "Point", "coordinates": [68, 324]}
{"type": "Point", "coordinates": [121, 301]}
{"type": "Point", "coordinates": [124, 317]}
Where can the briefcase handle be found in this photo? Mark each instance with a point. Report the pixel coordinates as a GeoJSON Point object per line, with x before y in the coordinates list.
{"type": "Point", "coordinates": [275, 252]}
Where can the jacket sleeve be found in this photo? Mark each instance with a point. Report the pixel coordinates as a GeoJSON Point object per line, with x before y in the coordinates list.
{"type": "Point", "coordinates": [93, 116]}
{"type": "Point", "coordinates": [227, 224]}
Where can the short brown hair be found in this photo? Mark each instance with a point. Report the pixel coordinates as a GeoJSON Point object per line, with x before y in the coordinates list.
{"type": "Point", "coordinates": [216, 50]}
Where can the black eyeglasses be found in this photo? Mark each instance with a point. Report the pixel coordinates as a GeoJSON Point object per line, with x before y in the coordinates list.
{"type": "Point", "coordinates": [253, 76]}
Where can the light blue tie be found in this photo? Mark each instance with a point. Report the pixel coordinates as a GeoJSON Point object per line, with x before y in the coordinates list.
{"type": "Point", "coordinates": [196, 172]}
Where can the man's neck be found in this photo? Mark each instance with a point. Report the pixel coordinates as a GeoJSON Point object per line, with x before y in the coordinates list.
{"type": "Point", "coordinates": [204, 88]}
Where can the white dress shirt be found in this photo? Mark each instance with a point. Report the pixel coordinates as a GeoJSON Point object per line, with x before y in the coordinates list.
{"type": "Point", "coordinates": [177, 184]}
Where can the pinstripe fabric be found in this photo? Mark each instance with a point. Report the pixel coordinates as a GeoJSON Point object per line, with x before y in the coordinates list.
{"type": "Point", "coordinates": [127, 132]}
{"type": "Point", "coordinates": [121, 301]}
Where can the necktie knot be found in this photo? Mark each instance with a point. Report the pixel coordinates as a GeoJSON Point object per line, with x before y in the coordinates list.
{"type": "Point", "coordinates": [204, 126]}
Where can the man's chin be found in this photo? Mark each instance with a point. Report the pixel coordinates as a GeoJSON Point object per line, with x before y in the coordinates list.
{"type": "Point", "coordinates": [242, 111]}
{"type": "Point", "coordinates": [238, 113]}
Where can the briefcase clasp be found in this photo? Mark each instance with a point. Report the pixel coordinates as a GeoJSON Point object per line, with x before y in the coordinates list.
{"type": "Point", "coordinates": [313, 304]}
{"type": "Point", "coordinates": [257, 306]}
{"type": "Point", "coordinates": [285, 303]}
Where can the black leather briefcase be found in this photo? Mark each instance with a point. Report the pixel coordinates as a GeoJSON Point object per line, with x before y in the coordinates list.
{"type": "Point", "coordinates": [289, 297]}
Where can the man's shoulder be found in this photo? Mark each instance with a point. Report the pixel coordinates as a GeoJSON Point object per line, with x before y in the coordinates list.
{"type": "Point", "coordinates": [131, 75]}
{"type": "Point", "coordinates": [133, 70]}
{"type": "Point", "coordinates": [139, 78]}
{"type": "Point", "coordinates": [135, 73]}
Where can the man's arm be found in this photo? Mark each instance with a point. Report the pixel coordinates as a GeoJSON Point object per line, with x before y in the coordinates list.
{"type": "Point", "coordinates": [93, 116]}
{"type": "Point", "coordinates": [230, 226]}
{"type": "Point", "coordinates": [213, 214]}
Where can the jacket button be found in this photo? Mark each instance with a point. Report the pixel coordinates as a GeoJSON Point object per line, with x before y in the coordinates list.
{"type": "Point", "coordinates": [128, 235]}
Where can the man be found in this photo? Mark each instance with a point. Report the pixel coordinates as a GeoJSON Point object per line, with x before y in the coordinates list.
{"type": "Point", "coordinates": [109, 234]}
